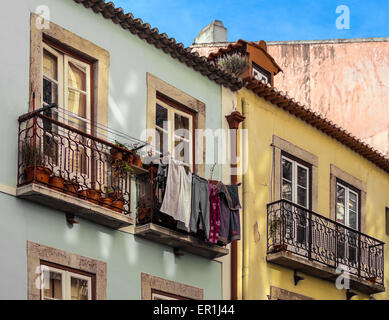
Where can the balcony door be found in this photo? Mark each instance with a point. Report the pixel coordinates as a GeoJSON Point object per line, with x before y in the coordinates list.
{"type": "Point", "coordinates": [67, 82]}
{"type": "Point", "coordinates": [347, 213]}
{"type": "Point", "coordinates": [295, 188]}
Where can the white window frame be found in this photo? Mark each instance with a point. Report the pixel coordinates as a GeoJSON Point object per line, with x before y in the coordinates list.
{"type": "Point", "coordinates": [295, 165]}
{"type": "Point", "coordinates": [256, 72]}
{"type": "Point", "coordinates": [66, 282]}
{"type": "Point", "coordinates": [170, 130]}
{"type": "Point", "coordinates": [347, 191]}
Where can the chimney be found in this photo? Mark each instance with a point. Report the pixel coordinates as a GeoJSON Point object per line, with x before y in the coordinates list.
{"type": "Point", "coordinates": [214, 32]}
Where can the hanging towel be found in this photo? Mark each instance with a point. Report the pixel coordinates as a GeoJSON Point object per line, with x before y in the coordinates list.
{"type": "Point", "coordinates": [177, 200]}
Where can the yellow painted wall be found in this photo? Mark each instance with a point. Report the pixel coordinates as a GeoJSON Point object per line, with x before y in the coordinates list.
{"type": "Point", "coordinates": [264, 119]}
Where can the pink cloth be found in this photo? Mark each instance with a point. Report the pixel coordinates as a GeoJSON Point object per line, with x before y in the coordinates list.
{"type": "Point", "coordinates": [214, 213]}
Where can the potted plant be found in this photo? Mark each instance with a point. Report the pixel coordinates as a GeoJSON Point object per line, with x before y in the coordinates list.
{"type": "Point", "coordinates": [57, 182]}
{"type": "Point", "coordinates": [33, 156]}
{"type": "Point", "coordinates": [275, 226]}
{"type": "Point", "coordinates": [113, 199]}
{"type": "Point", "coordinates": [117, 154]}
{"type": "Point", "coordinates": [71, 186]}
{"type": "Point", "coordinates": [235, 63]}
{"type": "Point", "coordinates": [90, 194]}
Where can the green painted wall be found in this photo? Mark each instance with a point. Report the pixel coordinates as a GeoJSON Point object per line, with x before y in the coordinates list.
{"type": "Point", "coordinates": [20, 220]}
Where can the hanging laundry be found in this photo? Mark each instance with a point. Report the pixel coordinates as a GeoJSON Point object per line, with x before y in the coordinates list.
{"type": "Point", "coordinates": [214, 213]}
{"type": "Point", "coordinates": [229, 213]}
{"type": "Point", "coordinates": [200, 204]}
{"type": "Point", "coordinates": [177, 199]}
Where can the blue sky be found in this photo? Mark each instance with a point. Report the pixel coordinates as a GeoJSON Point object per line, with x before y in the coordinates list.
{"type": "Point", "coordinates": [274, 20]}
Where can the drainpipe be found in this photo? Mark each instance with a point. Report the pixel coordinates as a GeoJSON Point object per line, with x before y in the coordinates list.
{"type": "Point", "coordinates": [234, 119]}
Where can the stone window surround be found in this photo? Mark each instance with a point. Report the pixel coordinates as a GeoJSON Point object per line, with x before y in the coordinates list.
{"type": "Point", "coordinates": [281, 145]}
{"type": "Point", "coordinates": [282, 294]}
{"type": "Point", "coordinates": [198, 108]}
{"type": "Point", "coordinates": [337, 173]}
{"type": "Point", "coordinates": [37, 253]}
{"type": "Point", "coordinates": [86, 49]}
{"type": "Point", "coordinates": [152, 283]}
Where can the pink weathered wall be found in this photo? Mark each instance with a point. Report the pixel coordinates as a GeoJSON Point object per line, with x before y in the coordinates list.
{"type": "Point", "coordinates": [346, 81]}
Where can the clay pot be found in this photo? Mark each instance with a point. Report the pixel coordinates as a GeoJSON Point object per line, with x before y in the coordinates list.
{"type": "Point", "coordinates": [129, 158]}
{"type": "Point", "coordinates": [117, 205]}
{"type": "Point", "coordinates": [116, 154]}
{"type": "Point", "coordinates": [280, 247]}
{"type": "Point", "coordinates": [107, 202]}
{"type": "Point", "coordinates": [138, 161]}
{"type": "Point", "coordinates": [42, 174]}
{"type": "Point", "coordinates": [71, 188]}
{"type": "Point", "coordinates": [57, 183]}
{"type": "Point", "coordinates": [93, 196]}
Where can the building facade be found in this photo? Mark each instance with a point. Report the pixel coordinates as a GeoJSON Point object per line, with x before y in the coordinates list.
{"type": "Point", "coordinates": [103, 78]}
{"type": "Point", "coordinates": [314, 196]}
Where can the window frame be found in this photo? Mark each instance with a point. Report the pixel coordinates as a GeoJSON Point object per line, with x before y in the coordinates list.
{"type": "Point", "coordinates": [260, 70]}
{"type": "Point", "coordinates": [355, 190]}
{"type": "Point", "coordinates": [68, 272]}
{"type": "Point", "coordinates": [297, 162]}
{"type": "Point", "coordinates": [173, 108]}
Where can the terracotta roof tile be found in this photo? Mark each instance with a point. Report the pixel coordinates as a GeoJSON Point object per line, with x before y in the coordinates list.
{"type": "Point", "coordinates": [163, 42]}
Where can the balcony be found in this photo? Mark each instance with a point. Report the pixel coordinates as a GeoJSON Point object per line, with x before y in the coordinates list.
{"type": "Point", "coordinates": [63, 166]}
{"type": "Point", "coordinates": [305, 241]}
{"type": "Point", "coordinates": [156, 226]}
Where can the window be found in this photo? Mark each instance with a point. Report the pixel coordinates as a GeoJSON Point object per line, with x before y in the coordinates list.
{"type": "Point", "coordinates": [67, 82]}
{"type": "Point", "coordinates": [295, 188]}
{"type": "Point", "coordinates": [295, 182]}
{"type": "Point", "coordinates": [260, 74]}
{"type": "Point", "coordinates": [58, 283]}
{"type": "Point", "coordinates": [347, 213]}
{"type": "Point", "coordinates": [174, 132]}
{"type": "Point", "coordinates": [159, 295]}
{"type": "Point", "coordinates": [347, 204]}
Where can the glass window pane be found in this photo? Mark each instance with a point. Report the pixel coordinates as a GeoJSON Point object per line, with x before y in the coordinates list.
{"type": "Point", "coordinates": [160, 116]}
{"type": "Point", "coordinates": [161, 140]}
{"type": "Point", "coordinates": [77, 77]}
{"type": "Point", "coordinates": [352, 223]}
{"type": "Point", "coordinates": [181, 126]}
{"type": "Point", "coordinates": [79, 289]}
{"type": "Point", "coordinates": [286, 190]}
{"type": "Point", "coordinates": [77, 103]}
{"type": "Point", "coordinates": [52, 285]}
{"type": "Point", "coordinates": [302, 175]}
{"type": "Point", "coordinates": [181, 150]}
{"type": "Point", "coordinates": [340, 203]}
{"type": "Point", "coordinates": [302, 197]}
{"type": "Point", "coordinates": [50, 68]}
{"type": "Point", "coordinates": [353, 201]}
{"type": "Point", "coordinates": [50, 91]}
{"type": "Point", "coordinates": [287, 169]}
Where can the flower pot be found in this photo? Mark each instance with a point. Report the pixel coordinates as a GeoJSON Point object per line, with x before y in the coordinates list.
{"type": "Point", "coordinates": [142, 214]}
{"type": "Point", "coordinates": [280, 247]}
{"type": "Point", "coordinates": [117, 205]}
{"type": "Point", "coordinates": [57, 183]}
{"type": "Point", "coordinates": [116, 154]}
{"type": "Point", "coordinates": [71, 188]}
{"type": "Point", "coordinates": [372, 279]}
{"type": "Point", "coordinates": [106, 202]}
{"type": "Point", "coordinates": [42, 174]}
{"type": "Point", "coordinates": [138, 161]}
{"type": "Point", "coordinates": [129, 158]}
{"type": "Point", "coordinates": [93, 196]}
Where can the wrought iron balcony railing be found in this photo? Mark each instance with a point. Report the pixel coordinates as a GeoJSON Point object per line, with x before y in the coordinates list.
{"type": "Point", "coordinates": [64, 152]}
{"type": "Point", "coordinates": [296, 230]}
